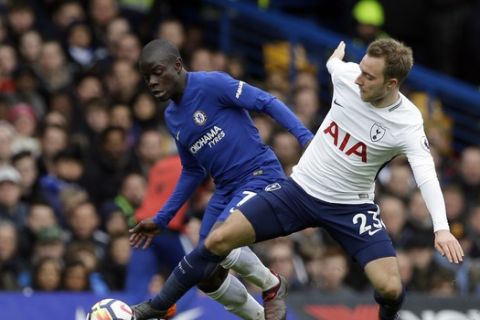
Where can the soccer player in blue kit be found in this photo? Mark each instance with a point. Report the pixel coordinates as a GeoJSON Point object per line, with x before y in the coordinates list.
{"type": "Point", "coordinates": [332, 186]}
{"type": "Point", "coordinates": [208, 117]}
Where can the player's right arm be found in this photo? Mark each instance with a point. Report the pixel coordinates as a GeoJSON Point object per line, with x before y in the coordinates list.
{"type": "Point", "coordinates": [192, 175]}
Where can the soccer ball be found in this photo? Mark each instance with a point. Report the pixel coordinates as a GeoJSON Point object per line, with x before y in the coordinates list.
{"type": "Point", "coordinates": [110, 309]}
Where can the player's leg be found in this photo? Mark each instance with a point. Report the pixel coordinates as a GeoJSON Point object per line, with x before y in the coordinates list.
{"type": "Point", "coordinates": [243, 260]}
{"type": "Point", "coordinates": [384, 275]}
{"type": "Point", "coordinates": [258, 220]}
{"type": "Point", "coordinates": [220, 286]}
{"type": "Point", "coordinates": [362, 234]}
{"type": "Point", "coordinates": [237, 231]}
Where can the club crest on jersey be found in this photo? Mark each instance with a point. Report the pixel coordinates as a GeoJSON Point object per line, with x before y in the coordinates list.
{"type": "Point", "coordinates": [200, 118]}
{"type": "Point", "coordinates": [377, 132]}
{"type": "Point", "coordinates": [273, 186]}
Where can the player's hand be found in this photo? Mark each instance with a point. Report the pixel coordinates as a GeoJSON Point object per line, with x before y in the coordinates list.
{"type": "Point", "coordinates": [339, 51]}
{"type": "Point", "coordinates": [448, 246]}
{"type": "Point", "coordinates": [143, 233]}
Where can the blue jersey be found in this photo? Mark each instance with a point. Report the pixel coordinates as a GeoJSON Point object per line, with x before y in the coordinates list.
{"type": "Point", "coordinates": [215, 134]}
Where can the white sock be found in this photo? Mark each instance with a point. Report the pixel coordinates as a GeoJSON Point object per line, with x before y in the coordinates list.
{"type": "Point", "coordinates": [249, 266]}
{"type": "Point", "coordinates": [236, 299]}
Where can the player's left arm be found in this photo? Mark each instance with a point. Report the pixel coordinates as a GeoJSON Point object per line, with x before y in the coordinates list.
{"type": "Point", "coordinates": [418, 153]}
{"type": "Point", "coordinates": [240, 94]}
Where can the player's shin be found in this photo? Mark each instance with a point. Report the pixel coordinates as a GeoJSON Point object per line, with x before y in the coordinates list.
{"type": "Point", "coordinates": [194, 267]}
{"type": "Point", "coordinates": [244, 261]}
{"type": "Point", "coordinates": [236, 299]}
{"type": "Point", "coordinates": [389, 307]}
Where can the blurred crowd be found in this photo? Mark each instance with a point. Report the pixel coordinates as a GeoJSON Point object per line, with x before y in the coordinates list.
{"type": "Point", "coordinates": [80, 137]}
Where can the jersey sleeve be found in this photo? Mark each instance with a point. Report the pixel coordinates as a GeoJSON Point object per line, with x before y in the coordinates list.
{"type": "Point", "coordinates": [342, 72]}
{"type": "Point", "coordinates": [190, 178]}
{"type": "Point", "coordinates": [240, 94]}
{"type": "Point", "coordinates": [417, 150]}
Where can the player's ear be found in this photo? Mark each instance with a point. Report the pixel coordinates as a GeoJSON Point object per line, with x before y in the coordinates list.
{"type": "Point", "coordinates": [178, 65]}
{"type": "Point", "coordinates": [392, 83]}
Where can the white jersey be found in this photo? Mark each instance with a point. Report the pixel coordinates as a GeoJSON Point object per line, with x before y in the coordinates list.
{"type": "Point", "coordinates": [356, 139]}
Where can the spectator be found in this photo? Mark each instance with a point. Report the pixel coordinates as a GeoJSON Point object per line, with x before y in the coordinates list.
{"type": "Point", "coordinates": [10, 266]}
{"type": "Point", "coordinates": [283, 260]}
{"type": "Point", "coordinates": [47, 274]}
{"type": "Point", "coordinates": [84, 223]}
{"type": "Point", "coordinates": [469, 174]}
{"type": "Point", "coordinates": [54, 71]}
{"type": "Point", "coordinates": [116, 262]}
{"type": "Point", "coordinates": [130, 197]}
{"type": "Point", "coordinates": [11, 206]}
{"type": "Point", "coordinates": [30, 48]}
{"type": "Point", "coordinates": [26, 165]}
{"type": "Point", "coordinates": [394, 216]}
{"type": "Point", "coordinates": [7, 136]}
{"type": "Point", "coordinates": [146, 114]}
{"type": "Point", "coordinates": [328, 273]}
{"type": "Point", "coordinates": [65, 176]}
{"type": "Point", "coordinates": [110, 160]}
{"type": "Point", "coordinates": [128, 48]}
{"type": "Point", "coordinates": [152, 146]}
{"type": "Point", "coordinates": [75, 277]}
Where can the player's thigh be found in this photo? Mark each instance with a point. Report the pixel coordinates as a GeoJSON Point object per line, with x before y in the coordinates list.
{"type": "Point", "coordinates": [235, 232]}
{"type": "Point", "coordinates": [359, 229]}
{"type": "Point", "coordinates": [384, 275]}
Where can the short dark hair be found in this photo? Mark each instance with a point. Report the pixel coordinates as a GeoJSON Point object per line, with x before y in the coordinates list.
{"type": "Point", "coordinates": [398, 57]}
{"type": "Point", "coordinates": [162, 49]}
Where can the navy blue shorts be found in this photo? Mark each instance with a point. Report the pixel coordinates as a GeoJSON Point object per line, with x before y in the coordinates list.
{"type": "Point", "coordinates": [284, 208]}
{"type": "Point", "coordinates": [224, 202]}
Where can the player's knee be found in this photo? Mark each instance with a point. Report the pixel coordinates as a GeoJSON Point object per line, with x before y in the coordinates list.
{"type": "Point", "coordinates": [391, 288]}
{"type": "Point", "coordinates": [217, 242]}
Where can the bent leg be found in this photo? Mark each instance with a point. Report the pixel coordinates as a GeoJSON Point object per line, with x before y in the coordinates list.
{"type": "Point", "coordinates": [384, 275]}
{"type": "Point", "coordinates": [235, 232]}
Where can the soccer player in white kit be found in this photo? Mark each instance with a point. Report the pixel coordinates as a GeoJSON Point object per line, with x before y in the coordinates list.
{"type": "Point", "coordinates": [369, 123]}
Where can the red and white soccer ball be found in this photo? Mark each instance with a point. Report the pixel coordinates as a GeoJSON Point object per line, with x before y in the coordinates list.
{"type": "Point", "coordinates": [110, 309]}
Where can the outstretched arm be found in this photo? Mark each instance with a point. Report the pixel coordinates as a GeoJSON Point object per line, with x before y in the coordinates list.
{"type": "Point", "coordinates": [192, 175]}
{"type": "Point", "coordinates": [240, 94]}
{"type": "Point", "coordinates": [418, 154]}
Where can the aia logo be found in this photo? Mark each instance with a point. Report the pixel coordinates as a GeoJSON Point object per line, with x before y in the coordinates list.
{"type": "Point", "coordinates": [200, 117]}
{"type": "Point", "coordinates": [350, 148]}
{"type": "Point", "coordinates": [377, 132]}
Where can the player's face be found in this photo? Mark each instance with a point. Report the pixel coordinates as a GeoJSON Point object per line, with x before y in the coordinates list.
{"type": "Point", "coordinates": [162, 77]}
{"type": "Point", "coordinates": [371, 81]}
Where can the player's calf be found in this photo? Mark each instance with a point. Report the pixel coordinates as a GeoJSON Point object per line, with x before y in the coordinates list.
{"type": "Point", "coordinates": [389, 307]}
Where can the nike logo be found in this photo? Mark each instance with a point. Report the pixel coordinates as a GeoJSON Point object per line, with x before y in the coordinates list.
{"type": "Point", "coordinates": [372, 232]}
{"type": "Point", "coordinates": [338, 104]}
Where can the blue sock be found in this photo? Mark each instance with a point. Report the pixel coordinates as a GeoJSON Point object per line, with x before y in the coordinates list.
{"type": "Point", "coordinates": [193, 268]}
{"type": "Point", "coordinates": [389, 308]}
